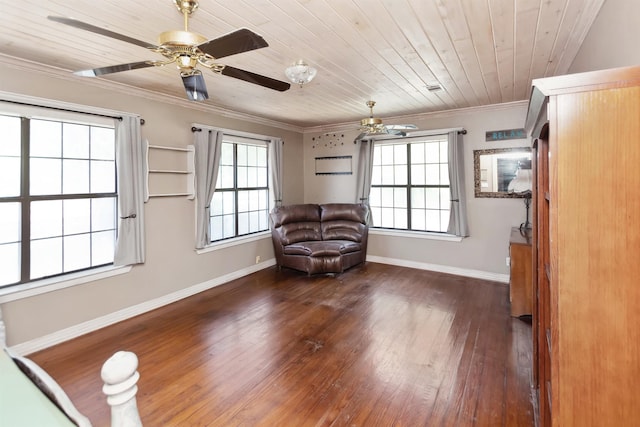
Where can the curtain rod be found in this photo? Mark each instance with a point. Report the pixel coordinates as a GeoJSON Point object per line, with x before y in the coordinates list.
{"type": "Point", "coordinates": [66, 109]}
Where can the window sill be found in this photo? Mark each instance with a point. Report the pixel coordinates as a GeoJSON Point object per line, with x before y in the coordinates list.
{"type": "Point", "coordinates": [234, 242]}
{"type": "Point", "coordinates": [416, 234]}
{"type": "Point", "coordinates": [38, 287]}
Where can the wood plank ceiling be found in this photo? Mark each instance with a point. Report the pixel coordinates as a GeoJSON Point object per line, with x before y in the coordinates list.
{"type": "Point", "coordinates": [479, 51]}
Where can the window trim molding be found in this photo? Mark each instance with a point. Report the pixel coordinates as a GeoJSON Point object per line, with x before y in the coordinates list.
{"type": "Point", "coordinates": [234, 241]}
{"type": "Point", "coordinates": [428, 235]}
{"type": "Point", "coordinates": [43, 286]}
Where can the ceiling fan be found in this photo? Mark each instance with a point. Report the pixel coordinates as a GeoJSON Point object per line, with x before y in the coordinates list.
{"type": "Point", "coordinates": [373, 126]}
{"type": "Point", "coordinates": [187, 50]}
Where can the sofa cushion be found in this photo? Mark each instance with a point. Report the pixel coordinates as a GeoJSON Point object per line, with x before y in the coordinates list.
{"type": "Point", "coordinates": [299, 232]}
{"type": "Point", "coordinates": [345, 212]}
{"type": "Point", "coordinates": [322, 248]}
{"type": "Point", "coordinates": [295, 213]}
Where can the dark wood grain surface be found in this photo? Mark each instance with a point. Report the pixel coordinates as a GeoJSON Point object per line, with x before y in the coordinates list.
{"type": "Point", "coordinates": [376, 346]}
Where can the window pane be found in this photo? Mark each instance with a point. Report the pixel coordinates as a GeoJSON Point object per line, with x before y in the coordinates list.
{"type": "Point", "coordinates": [375, 197]}
{"type": "Point", "coordinates": [252, 177]}
{"type": "Point", "coordinates": [432, 174]}
{"type": "Point", "coordinates": [387, 175]}
{"type": "Point", "coordinates": [46, 176]}
{"type": "Point", "coordinates": [263, 180]}
{"type": "Point", "coordinates": [400, 218]}
{"type": "Point", "coordinates": [417, 153]}
{"type": "Point", "coordinates": [103, 214]}
{"type": "Point", "coordinates": [226, 156]}
{"type": "Point", "coordinates": [444, 153]}
{"type": "Point", "coordinates": [432, 152]}
{"type": "Point", "coordinates": [75, 142]}
{"type": "Point", "coordinates": [46, 219]}
{"type": "Point", "coordinates": [400, 198]}
{"type": "Point", "coordinates": [263, 199]}
{"type": "Point", "coordinates": [215, 208]}
{"type": "Point", "coordinates": [376, 175]}
{"type": "Point", "coordinates": [444, 174]}
{"type": "Point", "coordinates": [376, 214]}
{"type": "Point", "coordinates": [9, 263]}
{"type": "Point", "coordinates": [433, 220]}
{"type": "Point", "coordinates": [387, 197]}
{"type": "Point", "coordinates": [228, 202]}
{"type": "Point", "coordinates": [9, 176]}
{"type": "Point", "coordinates": [229, 226]}
{"type": "Point", "coordinates": [386, 217]}
{"type": "Point", "coordinates": [444, 220]}
{"type": "Point", "coordinates": [46, 138]}
{"type": "Point", "coordinates": [103, 177]}
{"type": "Point", "coordinates": [46, 257]}
{"type": "Point", "coordinates": [9, 222]}
{"type": "Point", "coordinates": [216, 228]}
{"type": "Point", "coordinates": [242, 155]}
{"type": "Point", "coordinates": [445, 198]}
{"type": "Point", "coordinates": [103, 143]}
{"type": "Point", "coordinates": [386, 155]}
{"type": "Point", "coordinates": [400, 175]}
{"type": "Point", "coordinates": [400, 154]}
{"type": "Point", "coordinates": [417, 198]}
{"type": "Point", "coordinates": [417, 175]}
{"type": "Point", "coordinates": [252, 155]}
{"type": "Point", "coordinates": [243, 201]}
{"type": "Point", "coordinates": [243, 223]}
{"type": "Point", "coordinates": [432, 198]}
{"type": "Point", "coordinates": [418, 220]}
{"type": "Point", "coordinates": [77, 252]}
{"type": "Point", "coordinates": [102, 247]}
{"type": "Point", "coordinates": [77, 216]}
{"type": "Point", "coordinates": [243, 179]}
{"type": "Point", "coordinates": [264, 220]}
{"type": "Point", "coordinates": [10, 136]}
{"type": "Point", "coordinates": [254, 221]}
{"type": "Point", "coordinates": [254, 200]}
{"type": "Point", "coordinates": [262, 157]}
{"type": "Point", "coordinates": [75, 176]}
{"type": "Point", "coordinates": [225, 177]}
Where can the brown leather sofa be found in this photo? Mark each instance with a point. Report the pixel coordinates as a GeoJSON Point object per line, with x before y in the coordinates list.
{"type": "Point", "coordinates": [327, 238]}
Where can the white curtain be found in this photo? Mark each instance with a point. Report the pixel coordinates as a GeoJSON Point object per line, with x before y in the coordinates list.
{"type": "Point", "coordinates": [131, 170]}
{"type": "Point", "coordinates": [458, 215]}
{"type": "Point", "coordinates": [208, 148]}
{"type": "Point", "coordinates": [365, 169]}
{"type": "Point", "coordinates": [276, 164]}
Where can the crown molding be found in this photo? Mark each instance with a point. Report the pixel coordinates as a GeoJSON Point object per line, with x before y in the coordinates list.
{"type": "Point", "coordinates": [352, 126]}
{"type": "Point", "coordinates": [62, 74]}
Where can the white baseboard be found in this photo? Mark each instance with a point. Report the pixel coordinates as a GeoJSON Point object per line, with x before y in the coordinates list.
{"type": "Point", "coordinates": [476, 274]}
{"type": "Point", "coordinates": [75, 331]}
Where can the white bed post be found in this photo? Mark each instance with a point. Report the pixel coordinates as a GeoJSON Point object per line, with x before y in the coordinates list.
{"type": "Point", "coordinates": [120, 377]}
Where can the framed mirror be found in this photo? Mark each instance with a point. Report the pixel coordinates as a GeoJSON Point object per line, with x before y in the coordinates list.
{"type": "Point", "coordinates": [502, 172]}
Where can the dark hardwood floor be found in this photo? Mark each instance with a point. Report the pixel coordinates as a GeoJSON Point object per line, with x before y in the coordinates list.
{"type": "Point", "coordinates": [378, 345]}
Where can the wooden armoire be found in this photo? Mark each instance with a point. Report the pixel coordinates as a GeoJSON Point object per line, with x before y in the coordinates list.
{"type": "Point", "coordinates": [585, 130]}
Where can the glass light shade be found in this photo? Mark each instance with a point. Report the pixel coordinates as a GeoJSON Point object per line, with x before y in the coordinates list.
{"type": "Point", "coordinates": [300, 73]}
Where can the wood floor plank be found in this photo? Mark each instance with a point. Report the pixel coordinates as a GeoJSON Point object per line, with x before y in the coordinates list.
{"type": "Point", "coordinates": [378, 345]}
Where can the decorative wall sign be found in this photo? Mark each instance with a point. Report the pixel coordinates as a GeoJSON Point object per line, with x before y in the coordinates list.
{"type": "Point", "coordinates": [328, 140]}
{"type": "Point", "coordinates": [333, 165]}
{"type": "Point", "coordinates": [502, 135]}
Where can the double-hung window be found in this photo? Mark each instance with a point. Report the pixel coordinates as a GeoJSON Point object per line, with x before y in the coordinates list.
{"type": "Point", "coordinates": [58, 197]}
{"type": "Point", "coordinates": [410, 184]}
{"type": "Point", "coordinates": [240, 204]}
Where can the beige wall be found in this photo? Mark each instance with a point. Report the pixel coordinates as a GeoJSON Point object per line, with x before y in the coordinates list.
{"type": "Point", "coordinates": [613, 38]}
{"type": "Point", "coordinates": [171, 262]}
{"type": "Point", "coordinates": [490, 220]}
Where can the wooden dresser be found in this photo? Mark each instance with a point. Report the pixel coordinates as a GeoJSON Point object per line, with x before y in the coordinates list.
{"type": "Point", "coordinates": [586, 247]}
{"type": "Point", "coordinates": [520, 289]}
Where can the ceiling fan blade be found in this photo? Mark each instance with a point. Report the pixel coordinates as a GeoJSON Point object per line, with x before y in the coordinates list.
{"type": "Point", "coordinates": [250, 77]}
{"type": "Point", "coordinates": [113, 69]}
{"type": "Point", "coordinates": [102, 31]}
{"type": "Point", "coordinates": [239, 41]}
{"type": "Point", "coordinates": [401, 127]}
{"type": "Point", "coordinates": [195, 87]}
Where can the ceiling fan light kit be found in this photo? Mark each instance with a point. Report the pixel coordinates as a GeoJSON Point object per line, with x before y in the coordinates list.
{"type": "Point", "coordinates": [372, 126]}
{"type": "Point", "coordinates": [300, 72]}
{"type": "Point", "coordinates": [188, 50]}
